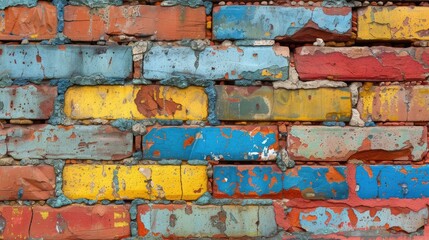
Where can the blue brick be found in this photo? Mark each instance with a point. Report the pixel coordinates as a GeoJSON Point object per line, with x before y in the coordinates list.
{"type": "Point", "coordinates": [9, 3]}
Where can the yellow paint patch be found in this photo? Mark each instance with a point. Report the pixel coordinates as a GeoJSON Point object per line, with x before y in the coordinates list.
{"type": "Point", "coordinates": [267, 73]}
{"type": "Point", "coordinates": [194, 181]}
{"type": "Point", "coordinates": [393, 23]}
{"type": "Point", "coordinates": [44, 215]}
{"type": "Point", "coordinates": [383, 103]}
{"type": "Point", "coordinates": [117, 182]}
{"type": "Point", "coordinates": [323, 104]}
{"type": "Point", "coordinates": [120, 224]}
{"type": "Point", "coordinates": [136, 102]}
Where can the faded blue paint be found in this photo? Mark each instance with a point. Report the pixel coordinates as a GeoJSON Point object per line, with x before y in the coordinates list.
{"type": "Point", "coordinates": [247, 180]}
{"type": "Point", "coordinates": [233, 63]}
{"type": "Point", "coordinates": [35, 62]}
{"type": "Point", "coordinates": [316, 183]}
{"type": "Point", "coordinates": [9, 3]}
{"type": "Point", "coordinates": [392, 181]}
{"type": "Point", "coordinates": [269, 22]}
{"type": "Point", "coordinates": [216, 143]}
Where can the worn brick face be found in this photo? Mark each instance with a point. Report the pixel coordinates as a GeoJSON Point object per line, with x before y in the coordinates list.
{"type": "Point", "coordinates": [15, 222]}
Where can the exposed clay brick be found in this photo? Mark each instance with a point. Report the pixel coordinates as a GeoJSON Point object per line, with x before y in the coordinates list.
{"type": "Point", "coordinates": [80, 222]}
{"type": "Point", "coordinates": [362, 63]}
{"type": "Point", "coordinates": [15, 222]}
{"type": "Point", "coordinates": [84, 23]}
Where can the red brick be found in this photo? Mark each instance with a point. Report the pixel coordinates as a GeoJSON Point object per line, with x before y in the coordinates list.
{"type": "Point", "coordinates": [362, 63]}
{"type": "Point", "coordinates": [84, 24]}
{"type": "Point", "coordinates": [35, 23]}
{"type": "Point", "coordinates": [80, 222]}
{"type": "Point", "coordinates": [17, 222]}
{"type": "Point", "coordinates": [27, 182]}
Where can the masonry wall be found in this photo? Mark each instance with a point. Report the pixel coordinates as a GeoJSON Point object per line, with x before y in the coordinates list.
{"type": "Point", "coordinates": [210, 119]}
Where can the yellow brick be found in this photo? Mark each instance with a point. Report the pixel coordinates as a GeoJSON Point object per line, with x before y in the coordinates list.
{"type": "Point", "coordinates": [393, 23]}
{"type": "Point", "coordinates": [136, 102]}
{"type": "Point", "coordinates": [323, 104]}
{"type": "Point", "coordinates": [115, 182]}
{"type": "Point", "coordinates": [194, 181]}
{"type": "Point", "coordinates": [383, 103]}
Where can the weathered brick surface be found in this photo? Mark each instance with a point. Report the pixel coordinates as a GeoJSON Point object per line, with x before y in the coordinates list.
{"type": "Point", "coordinates": [29, 102]}
{"type": "Point", "coordinates": [27, 182]}
{"type": "Point", "coordinates": [282, 23]}
{"type": "Point", "coordinates": [211, 143]}
{"type": "Point", "coordinates": [318, 143]}
{"type": "Point", "coordinates": [35, 62]}
{"type": "Point", "coordinates": [116, 182]}
{"type": "Point", "coordinates": [36, 23]}
{"type": "Point", "coordinates": [15, 222]}
{"type": "Point", "coordinates": [95, 3]}
{"type": "Point", "coordinates": [249, 63]}
{"type": "Point", "coordinates": [80, 222]}
{"type": "Point", "coordinates": [173, 221]}
{"type": "Point", "coordinates": [362, 63]}
{"type": "Point", "coordinates": [62, 142]}
{"type": "Point", "coordinates": [137, 102]}
{"type": "Point", "coordinates": [394, 103]}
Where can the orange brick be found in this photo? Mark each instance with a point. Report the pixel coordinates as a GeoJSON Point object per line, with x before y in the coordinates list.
{"type": "Point", "coordinates": [83, 24]}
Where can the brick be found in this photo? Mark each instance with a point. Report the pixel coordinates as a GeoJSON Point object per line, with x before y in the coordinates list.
{"type": "Point", "coordinates": [390, 181]}
{"type": "Point", "coordinates": [36, 23]}
{"type": "Point", "coordinates": [41, 141]}
{"type": "Point", "coordinates": [393, 23]}
{"type": "Point", "coordinates": [299, 24]}
{"type": "Point", "coordinates": [326, 220]}
{"type": "Point", "coordinates": [36, 62]}
{"type": "Point", "coordinates": [116, 182]}
{"type": "Point", "coordinates": [80, 222]}
{"type": "Point", "coordinates": [137, 102]}
{"type": "Point", "coordinates": [394, 103]}
{"type": "Point", "coordinates": [95, 3]}
{"type": "Point", "coordinates": [315, 183]}
{"type": "Point", "coordinates": [154, 22]}
{"type": "Point", "coordinates": [194, 221]}
{"type": "Point", "coordinates": [27, 182]}
{"type": "Point", "coordinates": [15, 222]}
{"type": "Point", "coordinates": [11, 3]}
{"type": "Point", "coordinates": [319, 143]}
{"type": "Point", "coordinates": [28, 102]}
{"type": "Point", "coordinates": [215, 143]}
{"type": "Point", "coordinates": [250, 63]}
{"type": "Point", "coordinates": [362, 63]}
{"type": "Point", "coordinates": [247, 181]}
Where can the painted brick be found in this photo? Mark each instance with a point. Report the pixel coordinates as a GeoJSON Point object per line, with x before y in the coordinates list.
{"type": "Point", "coordinates": [29, 102]}
{"type": "Point", "coordinates": [35, 62]}
{"type": "Point", "coordinates": [326, 220]}
{"type": "Point", "coordinates": [319, 143]}
{"type": "Point", "coordinates": [10, 3]}
{"type": "Point", "coordinates": [158, 23]}
{"type": "Point", "coordinates": [282, 23]}
{"type": "Point", "coordinates": [393, 23]}
{"type": "Point", "coordinates": [250, 63]}
{"type": "Point", "coordinates": [390, 181]}
{"type": "Point", "coordinates": [80, 222]}
{"type": "Point", "coordinates": [315, 182]}
{"type": "Point", "coordinates": [95, 3]}
{"type": "Point", "coordinates": [137, 102]}
{"type": "Point", "coordinates": [67, 142]}
{"type": "Point", "coordinates": [362, 63]}
{"type": "Point", "coordinates": [394, 103]}
{"type": "Point", "coordinates": [15, 222]}
{"type": "Point", "coordinates": [247, 181]}
{"type": "Point", "coordinates": [27, 182]}
{"type": "Point", "coordinates": [215, 143]}
{"type": "Point", "coordinates": [116, 182]}
{"type": "Point", "coordinates": [36, 23]}
{"type": "Point", "coordinates": [194, 221]}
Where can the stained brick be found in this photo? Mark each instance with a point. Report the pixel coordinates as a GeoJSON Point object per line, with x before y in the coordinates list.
{"type": "Point", "coordinates": [35, 62]}
{"type": "Point", "coordinates": [15, 222]}
{"type": "Point", "coordinates": [137, 102]}
{"type": "Point", "coordinates": [27, 182]}
{"type": "Point", "coordinates": [394, 103]}
{"type": "Point", "coordinates": [116, 182]}
{"type": "Point", "coordinates": [80, 222]}
{"type": "Point", "coordinates": [28, 102]}
{"type": "Point", "coordinates": [319, 143]}
{"type": "Point", "coordinates": [10, 3]}
{"type": "Point", "coordinates": [36, 23]}
{"type": "Point", "coordinates": [64, 142]}
{"type": "Point", "coordinates": [215, 143]}
{"type": "Point", "coordinates": [393, 23]}
{"type": "Point", "coordinates": [194, 221]}
{"type": "Point", "coordinates": [362, 63]}
{"type": "Point", "coordinates": [282, 23]}
{"type": "Point", "coordinates": [389, 181]}
{"type": "Point", "coordinates": [249, 63]}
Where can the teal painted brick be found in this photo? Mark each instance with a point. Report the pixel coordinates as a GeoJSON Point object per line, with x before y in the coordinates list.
{"type": "Point", "coordinates": [10, 3]}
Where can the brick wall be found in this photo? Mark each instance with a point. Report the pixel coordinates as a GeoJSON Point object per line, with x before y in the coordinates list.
{"type": "Point", "coordinates": [211, 119]}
